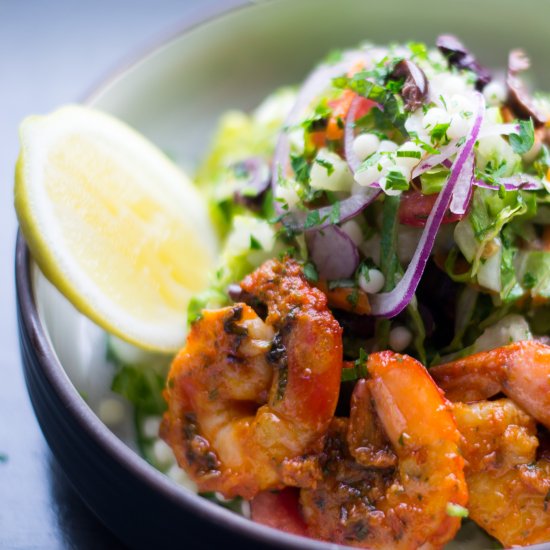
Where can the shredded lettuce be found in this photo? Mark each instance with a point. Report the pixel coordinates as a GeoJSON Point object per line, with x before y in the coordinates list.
{"type": "Point", "coordinates": [239, 136]}
{"type": "Point", "coordinates": [486, 241]}
{"type": "Point", "coordinates": [534, 272]}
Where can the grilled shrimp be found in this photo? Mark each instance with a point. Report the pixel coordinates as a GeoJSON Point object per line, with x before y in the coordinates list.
{"type": "Point", "coordinates": [520, 370]}
{"type": "Point", "coordinates": [248, 399]}
{"type": "Point", "coordinates": [508, 486]}
{"type": "Point", "coordinates": [393, 468]}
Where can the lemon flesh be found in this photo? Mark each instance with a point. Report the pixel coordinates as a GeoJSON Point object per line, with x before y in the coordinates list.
{"type": "Point", "coordinates": [113, 224]}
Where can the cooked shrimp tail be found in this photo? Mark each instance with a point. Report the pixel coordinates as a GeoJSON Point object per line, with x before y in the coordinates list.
{"type": "Point", "coordinates": [403, 503]}
{"type": "Point", "coordinates": [508, 484]}
{"type": "Point", "coordinates": [248, 399]}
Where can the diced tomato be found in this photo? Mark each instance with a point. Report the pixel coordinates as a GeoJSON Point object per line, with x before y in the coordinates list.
{"type": "Point", "coordinates": [280, 510]}
{"type": "Point", "coordinates": [340, 108]}
{"type": "Point", "coordinates": [415, 208]}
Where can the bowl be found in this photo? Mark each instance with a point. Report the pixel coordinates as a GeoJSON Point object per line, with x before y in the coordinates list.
{"type": "Point", "coordinates": [230, 57]}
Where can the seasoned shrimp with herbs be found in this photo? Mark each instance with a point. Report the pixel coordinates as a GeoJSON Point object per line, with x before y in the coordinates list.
{"type": "Point", "coordinates": [520, 370]}
{"type": "Point", "coordinates": [508, 481]}
{"type": "Point", "coordinates": [405, 487]}
{"type": "Point", "coordinates": [247, 400]}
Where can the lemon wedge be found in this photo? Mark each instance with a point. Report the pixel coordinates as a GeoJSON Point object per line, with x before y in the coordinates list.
{"type": "Point", "coordinates": [113, 224]}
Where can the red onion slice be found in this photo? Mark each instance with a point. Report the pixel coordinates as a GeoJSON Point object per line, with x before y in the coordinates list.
{"type": "Point", "coordinates": [333, 252]}
{"type": "Point", "coordinates": [512, 183]}
{"type": "Point", "coordinates": [463, 187]}
{"type": "Point", "coordinates": [347, 209]}
{"type": "Point", "coordinates": [389, 304]}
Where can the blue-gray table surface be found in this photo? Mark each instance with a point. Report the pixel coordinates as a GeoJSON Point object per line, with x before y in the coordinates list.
{"type": "Point", "coordinates": [51, 53]}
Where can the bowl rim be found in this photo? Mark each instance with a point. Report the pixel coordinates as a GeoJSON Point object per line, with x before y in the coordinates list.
{"type": "Point", "coordinates": [51, 367]}
{"type": "Point", "coordinates": [88, 421]}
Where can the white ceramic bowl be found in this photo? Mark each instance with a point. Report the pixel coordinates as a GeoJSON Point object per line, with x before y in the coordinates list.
{"type": "Point", "coordinates": [174, 95]}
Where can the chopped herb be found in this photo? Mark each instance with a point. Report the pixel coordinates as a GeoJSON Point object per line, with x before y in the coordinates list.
{"type": "Point", "coordinates": [395, 86]}
{"type": "Point", "coordinates": [142, 386]}
{"type": "Point", "coordinates": [255, 244]}
{"type": "Point", "coordinates": [353, 297]}
{"type": "Point", "coordinates": [523, 142]}
{"type": "Point", "coordinates": [301, 168]}
{"type": "Point", "coordinates": [341, 283]}
{"type": "Point", "coordinates": [397, 181]}
{"type": "Point", "coordinates": [310, 272]}
{"type": "Point", "coordinates": [456, 510]}
{"type": "Point", "coordinates": [409, 154]}
{"type": "Point", "coordinates": [325, 164]}
{"type": "Point", "coordinates": [358, 371]}
{"type": "Point", "coordinates": [418, 50]}
{"type": "Point", "coordinates": [3, 458]}
{"type": "Point", "coordinates": [439, 132]}
{"type": "Point", "coordinates": [318, 121]}
{"type": "Point", "coordinates": [370, 84]}
{"type": "Point", "coordinates": [423, 144]}
{"type": "Point", "coordinates": [363, 357]}
{"type": "Point", "coordinates": [335, 213]}
{"type": "Point", "coordinates": [529, 280]}
{"type": "Point", "coordinates": [313, 218]}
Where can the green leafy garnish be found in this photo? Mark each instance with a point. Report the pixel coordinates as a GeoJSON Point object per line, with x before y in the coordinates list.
{"type": "Point", "coordinates": [310, 271]}
{"type": "Point", "coordinates": [523, 142]}
{"type": "Point", "coordinates": [301, 168]}
{"type": "Point", "coordinates": [313, 219]}
{"type": "Point", "coordinates": [142, 386]}
{"type": "Point", "coordinates": [255, 244]}
{"type": "Point", "coordinates": [439, 132]}
{"type": "Point", "coordinates": [328, 166]}
{"type": "Point", "coordinates": [397, 181]}
{"type": "Point", "coordinates": [456, 510]}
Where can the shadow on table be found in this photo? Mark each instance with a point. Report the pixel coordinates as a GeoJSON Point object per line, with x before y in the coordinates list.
{"type": "Point", "coordinates": [78, 527]}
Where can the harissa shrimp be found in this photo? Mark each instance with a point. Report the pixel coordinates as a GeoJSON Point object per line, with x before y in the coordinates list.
{"type": "Point", "coordinates": [393, 469]}
{"type": "Point", "coordinates": [508, 477]}
{"type": "Point", "coordinates": [520, 370]}
{"type": "Point", "coordinates": [508, 485]}
{"type": "Point", "coordinates": [248, 399]}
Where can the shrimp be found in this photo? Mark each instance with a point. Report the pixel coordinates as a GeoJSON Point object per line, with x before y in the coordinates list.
{"type": "Point", "coordinates": [520, 370]}
{"type": "Point", "coordinates": [400, 497]}
{"type": "Point", "coordinates": [509, 487]}
{"type": "Point", "coordinates": [248, 399]}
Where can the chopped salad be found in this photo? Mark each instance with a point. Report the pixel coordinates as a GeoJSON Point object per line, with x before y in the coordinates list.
{"type": "Point", "coordinates": [405, 192]}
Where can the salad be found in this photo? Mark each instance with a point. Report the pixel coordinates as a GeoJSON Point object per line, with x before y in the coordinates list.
{"type": "Point", "coordinates": [370, 363]}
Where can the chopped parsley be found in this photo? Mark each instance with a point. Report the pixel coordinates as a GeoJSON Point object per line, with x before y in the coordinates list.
{"type": "Point", "coordinates": [313, 219]}
{"type": "Point", "coordinates": [439, 132]}
{"type": "Point", "coordinates": [523, 142]}
{"type": "Point", "coordinates": [255, 244]}
{"type": "Point", "coordinates": [335, 213]}
{"type": "Point", "coordinates": [310, 272]}
{"type": "Point", "coordinates": [456, 510]}
{"type": "Point", "coordinates": [301, 168]}
{"type": "Point", "coordinates": [328, 166]}
{"type": "Point", "coordinates": [397, 181]}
